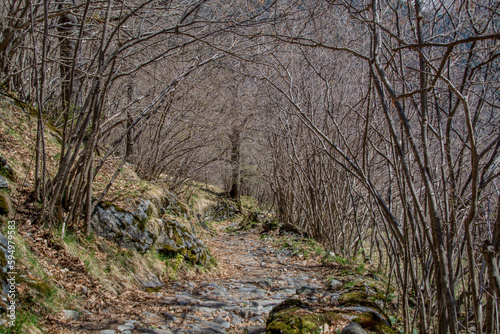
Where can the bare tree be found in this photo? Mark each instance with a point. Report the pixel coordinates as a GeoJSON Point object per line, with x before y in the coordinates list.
{"type": "Point", "coordinates": [411, 119]}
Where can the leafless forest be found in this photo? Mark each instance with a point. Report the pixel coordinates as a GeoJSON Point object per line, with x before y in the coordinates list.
{"type": "Point", "coordinates": [372, 124]}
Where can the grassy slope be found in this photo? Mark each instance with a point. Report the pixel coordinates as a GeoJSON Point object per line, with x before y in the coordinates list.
{"type": "Point", "coordinates": [74, 272]}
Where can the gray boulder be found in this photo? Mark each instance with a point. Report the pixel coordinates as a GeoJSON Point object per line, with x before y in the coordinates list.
{"type": "Point", "coordinates": [3, 182]}
{"type": "Point", "coordinates": [71, 315]}
{"type": "Point", "coordinates": [5, 168]}
{"type": "Point", "coordinates": [221, 211]}
{"type": "Point", "coordinates": [122, 227]}
{"type": "Point", "coordinates": [175, 238]}
{"type": "Point", "coordinates": [287, 228]}
{"type": "Point", "coordinates": [141, 231]}
{"type": "Point", "coordinates": [353, 328]}
{"type": "Point", "coordinates": [5, 204]}
{"type": "Point", "coordinates": [149, 281]}
{"type": "Point", "coordinates": [335, 284]}
{"type": "Point", "coordinates": [4, 244]}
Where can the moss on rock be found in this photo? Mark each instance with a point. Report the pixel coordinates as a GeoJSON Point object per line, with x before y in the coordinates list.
{"type": "Point", "coordinates": [4, 204]}
{"type": "Point", "coordinates": [223, 210]}
{"type": "Point", "coordinates": [374, 322]}
{"type": "Point", "coordinates": [360, 295]}
{"type": "Point", "coordinates": [183, 208]}
{"type": "Point", "coordinates": [35, 284]}
{"type": "Point", "coordinates": [293, 317]}
{"type": "Point", "coordinates": [176, 239]}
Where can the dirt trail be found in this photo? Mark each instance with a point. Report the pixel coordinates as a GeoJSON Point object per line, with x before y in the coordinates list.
{"type": "Point", "coordinates": [254, 275]}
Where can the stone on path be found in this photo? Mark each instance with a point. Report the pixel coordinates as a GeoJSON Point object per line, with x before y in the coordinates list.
{"type": "Point", "coordinates": [335, 284]}
{"type": "Point", "coordinates": [154, 331]}
{"type": "Point", "coordinates": [353, 328]}
{"type": "Point", "coordinates": [71, 315]}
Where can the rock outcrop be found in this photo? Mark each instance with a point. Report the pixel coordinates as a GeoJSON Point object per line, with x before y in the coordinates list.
{"type": "Point", "coordinates": [360, 305]}
{"type": "Point", "coordinates": [5, 168]}
{"type": "Point", "coordinates": [287, 228]}
{"type": "Point", "coordinates": [223, 210]}
{"type": "Point", "coordinates": [5, 205]}
{"type": "Point", "coordinates": [6, 176]}
{"type": "Point", "coordinates": [142, 230]}
{"type": "Point", "coordinates": [5, 201]}
{"type": "Point", "coordinates": [294, 317]}
{"type": "Point", "coordinates": [3, 182]}
{"type": "Point", "coordinates": [254, 219]}
{"type": "Point", "coordinates": [174, 238]}
{"type": "Point", "coordinates": [4, 284]}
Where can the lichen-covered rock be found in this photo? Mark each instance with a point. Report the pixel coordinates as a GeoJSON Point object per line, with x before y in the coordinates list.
{"type": "Point", "coordinates": [3, 273]}
{"type": "Point", "coordinates": [175, 238]}
{"type": "Point", "coordinates": [223, 210]}
{"type": "Point", "coordinates": [171, 204]}
{"type": "Point", "coordinates": [5, 169]}
{"type": "Point", "coordinates": [362, 295]}
{"type": "Point", "coordinates": [122, 227]}
{"type": "Point", "coordinates": [353, 328]}
{"type": "Point", "coordinates": [258, 217]}
{"type": "Point", "coordinates": [254, 219]}
{"type": "Point", "coordinates": [293, 317]}
{"type": "Point", "coordinates": [270, 225]}
{"type": "Point", "coordinates": [374, 322]}
{"type": "Point", "coordinates": [357, 304]}
{"type": "Point", "coordinates": [141, 231]}
{"type": "Point", "coordinates": [4, 204]}
{"type": "Point", "coordinates": [362, 302]}
{"type": "Point", "coordinates": [287, 228]}
{"type": "Point", "coordinates": [3, 182]}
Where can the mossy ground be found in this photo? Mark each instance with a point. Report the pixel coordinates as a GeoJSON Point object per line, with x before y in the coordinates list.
{"type": "Point", "coordinates": [37, 292]}
{"type": "Point", "coordinates": [303, 247]}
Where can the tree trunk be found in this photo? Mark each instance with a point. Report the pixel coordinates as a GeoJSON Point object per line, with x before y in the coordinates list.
{"type": "Point", "coordinates": [234, 193]}
{"type": "Point", "coordinates": [65, 28]}
{"type": "Point", "coordinates": [130, 121]}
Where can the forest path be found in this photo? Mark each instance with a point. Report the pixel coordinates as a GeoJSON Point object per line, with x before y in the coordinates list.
{"type": "Point", "coordinates": [254, 275]}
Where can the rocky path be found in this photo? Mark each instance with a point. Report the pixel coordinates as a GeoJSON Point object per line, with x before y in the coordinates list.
{"type": "Point", "coordinates": [257, 275]}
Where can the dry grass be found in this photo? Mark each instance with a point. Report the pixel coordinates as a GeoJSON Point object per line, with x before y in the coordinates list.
{"type": "Point", "coordinates": [17, 138]}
